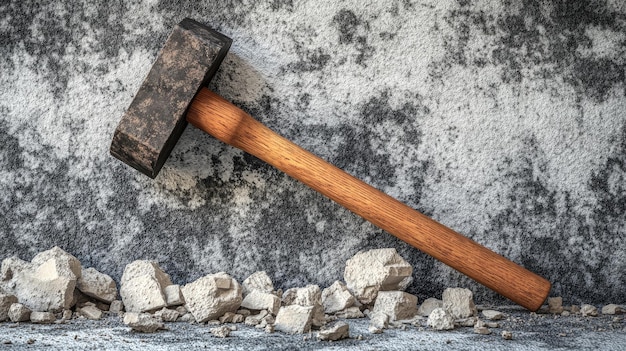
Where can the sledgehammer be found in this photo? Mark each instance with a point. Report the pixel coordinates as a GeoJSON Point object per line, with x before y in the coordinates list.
{"type": "Point", "coordinates": [174, 93]}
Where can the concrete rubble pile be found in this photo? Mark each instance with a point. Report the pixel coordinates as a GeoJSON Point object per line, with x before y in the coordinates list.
{"type": "Point", "coordinates": [54, 288]}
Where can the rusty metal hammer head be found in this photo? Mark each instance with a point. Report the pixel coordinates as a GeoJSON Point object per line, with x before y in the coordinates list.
{"type": "Point", "coordinates": [155, 119]}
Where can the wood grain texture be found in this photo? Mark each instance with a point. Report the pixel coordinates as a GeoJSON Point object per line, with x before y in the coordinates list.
{"type": "Point", "coordinates": [219, 118]}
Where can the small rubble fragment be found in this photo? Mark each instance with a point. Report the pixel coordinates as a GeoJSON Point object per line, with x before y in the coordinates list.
{"type": "Point", "coordinates": [350, 313]}
{"type": "Point", "coordinates": [440, 319]}
{"type": "Point", "coordinates": [492, 315]}
{"type": "Point", "coordinates": [555, 305]}
{"type": "Point", "coordinates": [482, 330]}
{"type": "Point", "coordinates": [227, 317]}
{"type": "Point", "coordinates": [268, 319]}
{"type": "Point", "coordinates": [574, 309]}
{"type": "Point", "coordinates": [371, 271]}
{"type": "Point", "coordinates": [337, 297]}
{"type": "Point", "coordinates": [97, 285]}
{"type": "Point", "coordinates": [66, 315]}
{"type": "Point", "coordinates": [255, 319]}
{"type": "Point", "coordinates": [211, 296]}
{"type": "Point", "coordinates": [337, 331]}
{"type": "Point", "coordinates": [142, 285]}
{"type": "Point", "coordinates": [187, 317]}
{"type": "Point", "coordinates": [6, 301]}
{"type": "Point", "coordinates": [142, 322]}
{"type": "Point", "coordinates": [173, 295]}
{"type": "Point", "coordinates": [310, 295]}
{"type": "Point", "coordinates": [220, 332]}
{"type": "Point", "coordinates": [459, 302]}
{"type": "Point", "coordinates": [257, 300]}
{"type": "Point", "coordinates": [466, 322]}
{"type": "Point", "coordinates": [378, 322]}
{"type": "Point", "coordinates": [90, 312]}
{"type": "Point", "coordinates": [18, 313]}
{"type": "Point", "coordinates": [507, 335]}
{"type": "Point", "coordinates": [396, 304]}
{"type": "Point", "coordinates": [428, 306]}
{"type": "Point", "coordinates": [116, 306]}
{"type": "Point", "coordinates": [588, 310]}
{"type": "Point", "coordinates": [294, 319]}
{"type": "Point", "coordinates": [613, 309]}
{"type": "Point", "coordinates": [259, 281]}
{"type": "Point", "coordinates": [42, 317]}
{"type": "Point", "coordinates": [237, 318]}
{"type": "Point", "coordinates": [167, 315]}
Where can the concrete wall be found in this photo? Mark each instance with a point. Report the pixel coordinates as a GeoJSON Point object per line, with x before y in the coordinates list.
{"type": "Point", "coordinates": [505, 121]}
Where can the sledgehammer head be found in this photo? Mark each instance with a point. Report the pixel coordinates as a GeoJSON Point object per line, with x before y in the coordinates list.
{"type": "Point", "coordinates": [155, 119]}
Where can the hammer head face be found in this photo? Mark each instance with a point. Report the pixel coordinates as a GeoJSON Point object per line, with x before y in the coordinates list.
{"type": "Point", "coordinates": [155, 119]}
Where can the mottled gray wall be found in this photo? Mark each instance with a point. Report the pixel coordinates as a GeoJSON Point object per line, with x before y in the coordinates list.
{"type": "Point", "coordinates": [505, 120]}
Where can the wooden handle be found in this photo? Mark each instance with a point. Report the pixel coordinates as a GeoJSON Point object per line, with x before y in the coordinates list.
{"type": "Point", "coordinates": [219, 118]}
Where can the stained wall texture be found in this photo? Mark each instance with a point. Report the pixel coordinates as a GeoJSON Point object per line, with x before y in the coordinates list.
{"type": "Point", "coordinates": [505, 120]}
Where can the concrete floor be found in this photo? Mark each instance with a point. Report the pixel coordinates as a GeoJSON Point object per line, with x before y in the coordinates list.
{"type": "Point", "coordinates": [530, 332]}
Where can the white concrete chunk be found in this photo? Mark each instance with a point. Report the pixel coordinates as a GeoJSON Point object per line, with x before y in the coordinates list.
{"type": "Point", "coordinates": [255, 319]}
{"type": "Point", "coordinates": [90, 312]}
{"type": "Point", "coordinates": [66, 315]}
{"type": "Point", "coordinates": [173, 295]}
{"type": "Point", "coordinates": [588, 310]}
{"type": "Point", "coordinates": [493, 315]}
{"type": "Point", "coordinates": [63, 263]}
{"type": "Point", "coordinates": [42, 317]}
{"type": "Point", "coordinates": [555, 305]}
{"type": "Point", "coordinates": [142, 322]}
{"type": "Point", "coordinates": [428, 306]}
{"type": "Point", "coordinates": [396, 304]}
{"type": "Point", "coordinates": [337, 297]}
{"type": "Point", "coordinates": [258, 300]}
{"type": "Point", "coordinates": [45, 294]}
{"type": "Point", "coordinates": [167, 315]}
{"type": "Point", "coordinates": [227, 317]}
{"type": "Point", "coordinates": [310, 295]}
{"type": "Point", "coordinates": [220, 332]}
{"type": "Point", "coordinates": [258, 281]}
{"type": "Point", "coordinates": [338, 331]}
{"type": "Point", "coordinates": [6, 301]}
{"type": "Point", "coordinates": [142, 286]}
{"type": "Point", "coordinates": [45, 284]}
{"type": "Point", "coordinates": [187, 317]}
{"type": "Point", "coordinates": [350, 313]}
{"type": "Point", "coordinates": [19, 313]}
{"type": "Point", "coordinates": [466, 322]}
{"type": "Point", "coordinates": [206, 300]}
{"type": "Point", "coordinates": [613, 309]}
{"type": "Point", "coordinates": [116, 306]}
{"type": "Point", "coordinates": [97, 285]}
{"type": "Point", "coordinates": [371, 271]}
{"type": "Point", "coordinates": [237, 318]}
{"type": "Point", "coordinates": [294, 319]}
{"type": "Point", "coordinates": [378, 322]}
{"type": "Point", "coordinates": [440, 319]}
{"type": "Point", "coordinates": [459, 302]}
{"type": "Point", "coordinates": [482, 330]}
